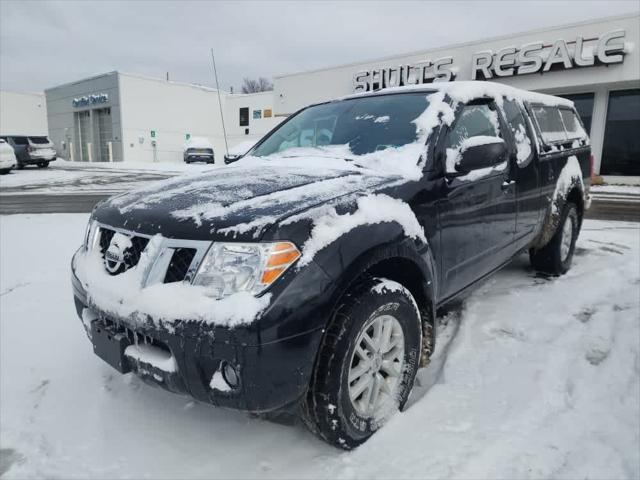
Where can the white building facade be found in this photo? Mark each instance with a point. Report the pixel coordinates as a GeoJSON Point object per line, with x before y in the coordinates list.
{"type": "Point", "coordinates": [23, 114]}
{"type": "Point", "coordinates": [595, 63]}
{"type": "Point", "coordinates": [118, 117]}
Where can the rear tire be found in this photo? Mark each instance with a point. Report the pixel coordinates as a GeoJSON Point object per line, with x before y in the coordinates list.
{"type": "Point", "coordinates": [43, 164]}
{"type": "Point", "coordinates": [19, 166]}
{"type": "Point", "coordinates": [4, 171]}
{"type": "Point", "coordinates": [556, 256]}
{"type": "Point", "coordinates": [372, 343]}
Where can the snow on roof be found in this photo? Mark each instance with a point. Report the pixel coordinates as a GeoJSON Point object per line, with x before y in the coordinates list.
{"type": "Point", "coordinates": [464, 91]}
{"type": "Point", "coordinates": [198, 142]}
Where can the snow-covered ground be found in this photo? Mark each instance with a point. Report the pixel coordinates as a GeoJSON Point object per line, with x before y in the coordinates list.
{"type": "Point", "coordinates": [532, 378]}
{"type": "Point", "coordinates": [75, 177]}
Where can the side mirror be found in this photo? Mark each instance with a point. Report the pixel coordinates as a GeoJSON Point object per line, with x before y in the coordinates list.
{"type": "Point", "coordinates": [230, 158]}
{"type": "Point", "coordinates": [479, 152]}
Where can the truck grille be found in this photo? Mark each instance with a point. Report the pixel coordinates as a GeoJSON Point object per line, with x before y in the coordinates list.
{"type": "Point", "coordinates": [181, 258]}
{"type": "Point", "coordinates": [132, 255]}
{"type": "Point", "coordinates": [180, 263]}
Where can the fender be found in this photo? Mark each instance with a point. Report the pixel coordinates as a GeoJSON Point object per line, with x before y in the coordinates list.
{"type": "Point", "coordinates": [362, 252]}
{"type": "Point", "coordinates": [569, 186]}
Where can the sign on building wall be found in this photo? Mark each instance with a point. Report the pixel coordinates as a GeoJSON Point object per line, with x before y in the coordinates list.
{"type": "Point", "coordinates": [535, 57]}
{"type": "Point", "coordinates": [89, 100]}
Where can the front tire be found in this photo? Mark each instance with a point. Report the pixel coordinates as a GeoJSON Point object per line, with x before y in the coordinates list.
{"type": "Point", "coordinates": [366, 364]}
{"type": "Point", "coordinates": [556, 256]}
{"type": "Point", "coordinates": [43, 164]}
{"type": "Point", "coordinates": [4, 171]}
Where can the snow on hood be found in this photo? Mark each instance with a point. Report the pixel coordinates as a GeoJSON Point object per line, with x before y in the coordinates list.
{"type": "Point", "coordinates": [239, 200]}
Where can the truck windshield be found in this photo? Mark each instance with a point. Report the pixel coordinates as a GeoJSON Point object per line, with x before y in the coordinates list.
{"type": "Point", "coordinates": [366, 125]}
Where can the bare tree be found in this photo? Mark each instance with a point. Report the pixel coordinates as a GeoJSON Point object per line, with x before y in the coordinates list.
{"type": "Point", "coordinates": [250, 85]}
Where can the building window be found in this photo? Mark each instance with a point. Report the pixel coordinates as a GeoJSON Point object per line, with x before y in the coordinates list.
{"type": "Point", "coordinates": [621, 149]}
{"type": "Point", "coordinates": [584, 106]}
{"type": "Point", "coordinates": [267, 113]}
{"type": "Point", "coordinates": [257, 114]}
{"type": "Point", "coordinates": [244, 117]}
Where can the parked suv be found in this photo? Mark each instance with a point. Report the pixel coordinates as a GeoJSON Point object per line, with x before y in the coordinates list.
{"type": "Point", "coordinates": [7, 157]}
{"type": "Point", "coordinates": [307, 275]}
{"type": "Point", "coordinates": [198, 149]}
{"type": "Point", "coordinates": [36, 150]}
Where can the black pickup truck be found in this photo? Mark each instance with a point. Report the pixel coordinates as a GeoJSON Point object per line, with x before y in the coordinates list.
{"type": "Point", "coordinates": [307, 274]}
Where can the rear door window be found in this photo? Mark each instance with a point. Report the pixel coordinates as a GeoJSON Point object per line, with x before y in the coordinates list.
{"type": "Point", "coordinates": [572, 124]}
{"type": "Point", "coordinates": [550, 124]}
{"type": "Point", "coordinates": [20, 140]}
{"type": "Point", "coordinates": [39, 140]}
{"type": "Point", "coordinates": [518, 126]}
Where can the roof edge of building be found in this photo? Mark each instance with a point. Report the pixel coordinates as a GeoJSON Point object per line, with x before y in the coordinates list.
{"type": "Point", "coordinates": [35, 94]}
{"type": "Point", "coordinates": [134, 75]}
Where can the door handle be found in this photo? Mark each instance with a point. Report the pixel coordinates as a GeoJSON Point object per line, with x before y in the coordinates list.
{"type": "Point", "coordinates": [506, 185]}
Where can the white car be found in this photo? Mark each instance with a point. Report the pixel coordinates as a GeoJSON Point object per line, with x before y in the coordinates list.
{"type": "Point", "coordinates": [7, 157]}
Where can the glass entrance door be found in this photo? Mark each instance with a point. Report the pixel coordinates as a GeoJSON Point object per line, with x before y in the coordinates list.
{"type": "Point", "coordinates": [103, 133]}
{"type": "Point", "coordinates": [83, 135]}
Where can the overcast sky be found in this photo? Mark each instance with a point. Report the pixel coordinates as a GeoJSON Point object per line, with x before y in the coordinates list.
{"type": "Point", "coordinates": [43, 44]}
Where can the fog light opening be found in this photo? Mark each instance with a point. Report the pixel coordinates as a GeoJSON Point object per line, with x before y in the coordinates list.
{"type": "Point", "coordinates": [230, 375]}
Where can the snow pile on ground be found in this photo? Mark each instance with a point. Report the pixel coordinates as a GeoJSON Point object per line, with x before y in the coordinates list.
{"type": "Point", "coordinates": [124, 296]}
{"type": "Point", "coordinates": [533, 377]}
{"type": "Point", "coordinates": [65, 177]}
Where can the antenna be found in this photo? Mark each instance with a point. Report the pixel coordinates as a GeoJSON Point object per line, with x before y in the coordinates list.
{"type": "Point", "coordinates": [224, 131]}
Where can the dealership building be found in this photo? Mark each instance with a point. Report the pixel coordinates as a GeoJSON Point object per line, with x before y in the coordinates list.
{"type": "Point", "coordinates": [118, 116]}
{"type": "Point", "coordinates": [124, 117]}
{"type": "Point", "coordinates": [596, 64]}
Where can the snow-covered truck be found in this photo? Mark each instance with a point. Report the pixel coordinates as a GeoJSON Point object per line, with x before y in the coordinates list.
{"type": "Point", "coordinates": [306, 276]}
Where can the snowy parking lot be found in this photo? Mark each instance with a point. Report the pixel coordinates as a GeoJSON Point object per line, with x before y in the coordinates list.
{"type": "Point", "coordinates": [82, 177]}
{"type": "Point", "coordinates": [533, 377]}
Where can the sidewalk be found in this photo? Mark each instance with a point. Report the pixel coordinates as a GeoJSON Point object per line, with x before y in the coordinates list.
{"type": "Point", "coordinates": [615, 202]}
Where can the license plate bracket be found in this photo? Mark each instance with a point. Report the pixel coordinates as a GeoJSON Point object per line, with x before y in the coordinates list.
{"type": "Point", "coordinates": [110, 346]}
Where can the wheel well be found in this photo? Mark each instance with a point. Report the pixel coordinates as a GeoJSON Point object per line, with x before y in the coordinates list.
{"type": "Point", "coordinates": [407, 273]}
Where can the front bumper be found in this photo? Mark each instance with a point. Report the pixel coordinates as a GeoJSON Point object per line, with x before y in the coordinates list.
{"type": "Point", "coordinates": [7, 163]}
{"type": "Point", "coordinates": [274, 356]}
{"type": "Point", "coordinates": [34, 158]}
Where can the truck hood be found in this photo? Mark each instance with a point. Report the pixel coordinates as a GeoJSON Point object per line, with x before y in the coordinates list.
{"type": "Point", "coordinates": [233, 202]}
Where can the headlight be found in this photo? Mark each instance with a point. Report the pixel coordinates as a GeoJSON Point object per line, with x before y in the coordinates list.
{"type": "Point", "coordinates": [244, 267]}
{"type": "Point", "coordinates": [91, 235]}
